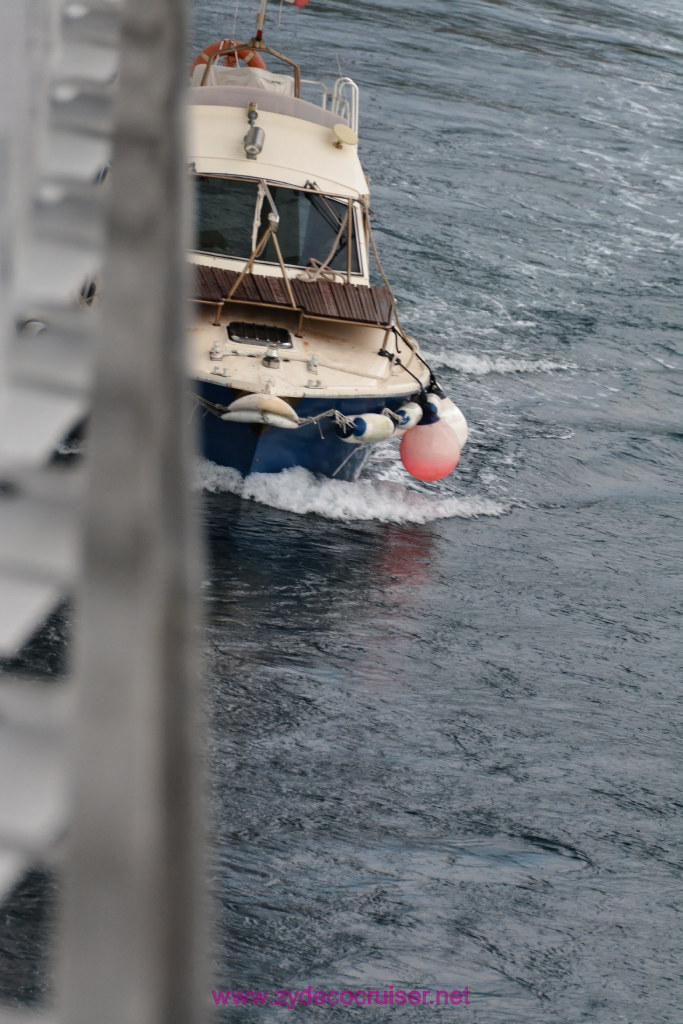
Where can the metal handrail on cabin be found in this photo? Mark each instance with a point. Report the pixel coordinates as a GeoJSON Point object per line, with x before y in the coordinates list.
{"type": "Point", "coordinates": [349, 103]}
{"type": "Point", "coordinates": [345, 107]}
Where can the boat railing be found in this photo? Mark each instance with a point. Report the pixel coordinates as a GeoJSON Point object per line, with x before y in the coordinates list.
{"type": "Point", "coordinates": [341, 100]}
{"type": "Point", "coordinates": [345, 97]}
{"type": "Point", "coordinates": [232, 50]}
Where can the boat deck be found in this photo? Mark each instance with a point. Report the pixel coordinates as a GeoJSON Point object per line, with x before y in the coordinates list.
{"type": "Point", "coordinates": [328, 300]}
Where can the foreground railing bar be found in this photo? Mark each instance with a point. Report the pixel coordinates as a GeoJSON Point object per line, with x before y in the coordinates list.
{"type": "Point", "coordinates": [133, 915]}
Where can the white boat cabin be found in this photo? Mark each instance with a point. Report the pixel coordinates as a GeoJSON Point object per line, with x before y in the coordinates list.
{"type": "Point", "coordinates": [277, 178]}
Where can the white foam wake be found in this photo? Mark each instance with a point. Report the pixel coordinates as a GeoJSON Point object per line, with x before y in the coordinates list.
{"type": "Point", "coordinates": [297, 490]}
{"type": "Point", "coordinates": [480, 365]}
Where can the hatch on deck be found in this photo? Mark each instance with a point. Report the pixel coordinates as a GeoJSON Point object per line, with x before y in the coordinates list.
{"type": "Point", "coordinates": [258, 334]}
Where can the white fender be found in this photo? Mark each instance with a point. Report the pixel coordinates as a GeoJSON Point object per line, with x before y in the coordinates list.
{"type": "Point", "coordinates": [262, 403]}
{"type": "Point", "coordinates": [268, 419]}
{"type": "Point", "coordinates": [448, 411]}
{"type": "Point", "coordinates": [410, 414]}
{"type": "Point", "coordinates": [370, 427]}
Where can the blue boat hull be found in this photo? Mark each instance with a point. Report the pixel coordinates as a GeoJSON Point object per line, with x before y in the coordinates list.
{"type": "Point", "coordinates": [250, 448]}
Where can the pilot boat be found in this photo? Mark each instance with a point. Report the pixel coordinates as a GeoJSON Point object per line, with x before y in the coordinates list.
{"type": "Point", "coordinates": [297, 359]}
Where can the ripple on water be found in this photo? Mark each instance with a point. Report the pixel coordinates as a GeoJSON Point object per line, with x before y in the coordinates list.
{"type": "Point", "coordinates": [493, 860]}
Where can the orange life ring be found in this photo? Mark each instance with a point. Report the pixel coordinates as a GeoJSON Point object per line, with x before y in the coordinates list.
{"type": "Point", "coordinates": [250, 57]}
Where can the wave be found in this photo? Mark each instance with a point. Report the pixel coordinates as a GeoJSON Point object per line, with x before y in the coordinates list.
{"type": "Point", "coordinates": [479, 366]}
{"type": "Point", "coordinates": [297, 490]}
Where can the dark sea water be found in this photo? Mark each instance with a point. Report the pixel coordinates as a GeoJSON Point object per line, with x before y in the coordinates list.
{"type": "Point", "coordinates": [447, 718]}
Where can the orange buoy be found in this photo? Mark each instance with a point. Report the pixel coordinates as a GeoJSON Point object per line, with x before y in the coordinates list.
{"type": "Point", "coordinates": [249, 57]}
{"type": "Point", "coordinates": [430, 451]}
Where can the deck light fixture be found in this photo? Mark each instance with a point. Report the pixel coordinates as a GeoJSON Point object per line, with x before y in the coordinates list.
{"type": "Point", "coordinates": [253, 142]}
{"type": "Point", "coordinates": [255, 137]}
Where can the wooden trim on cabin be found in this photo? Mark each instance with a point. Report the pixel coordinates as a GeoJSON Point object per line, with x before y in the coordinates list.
{"type": "Point", "coordinates": [323, 300]}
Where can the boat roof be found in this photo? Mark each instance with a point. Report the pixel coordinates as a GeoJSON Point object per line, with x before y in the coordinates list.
{"type": "Point", "coordinates": [299, 146]}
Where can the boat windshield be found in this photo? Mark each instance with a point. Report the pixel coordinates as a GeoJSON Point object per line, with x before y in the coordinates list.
{"type": "Point", "coordinates": [225, 216]}
{"type": "Point", "coordinates": [232, 215]}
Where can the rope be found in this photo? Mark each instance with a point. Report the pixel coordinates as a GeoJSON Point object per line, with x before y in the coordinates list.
{"type": "Point", "coordinates": [395, 361]}
{"type": "Point", "coordinates": [399, 331]}
{"type": "Point", "coordinates": [318, 269]}
{"type": "Point", "coordinates": [207, 406]}
{"type": "Point", "coordinates": [397, 328]}
{"type": "Point", "coordinates": [342, 464]}
{"type": "Point", "coordinates": [340, 419]}
{"type": "Point", "coordinates": [379, 264]}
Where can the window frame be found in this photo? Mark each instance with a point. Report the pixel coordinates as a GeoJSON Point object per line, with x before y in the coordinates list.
{"type": "Point", "coordinates": [356, 211]}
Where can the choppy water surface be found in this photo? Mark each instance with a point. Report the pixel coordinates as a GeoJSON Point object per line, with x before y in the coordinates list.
{"type": "Point", "coordinates": [447, 718]}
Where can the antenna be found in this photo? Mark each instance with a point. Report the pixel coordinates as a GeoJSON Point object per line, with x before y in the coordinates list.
{"type": "Point", "coordinates": [261, 20]}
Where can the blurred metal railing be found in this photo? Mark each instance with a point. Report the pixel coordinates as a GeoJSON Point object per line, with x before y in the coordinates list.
{"type": "Point", "coordinates": [109, 758]}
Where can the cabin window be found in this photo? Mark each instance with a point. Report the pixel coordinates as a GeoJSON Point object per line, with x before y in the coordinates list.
{"type": "Point", "coordinates": [228, 209]}
{"type": "Point", "coordinates": [225, 216]}
{"type": "Point", "coordinates": [309, 224]}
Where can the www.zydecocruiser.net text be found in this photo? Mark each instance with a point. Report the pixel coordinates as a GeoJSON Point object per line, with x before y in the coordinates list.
{"type": "Point", "coordinates": [344, 997]}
